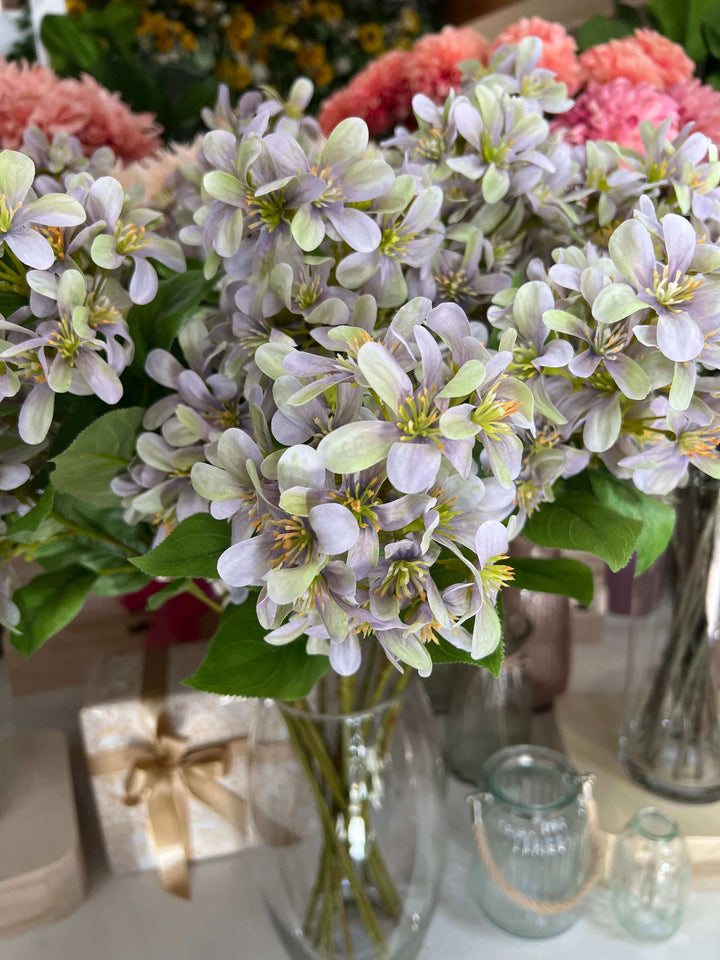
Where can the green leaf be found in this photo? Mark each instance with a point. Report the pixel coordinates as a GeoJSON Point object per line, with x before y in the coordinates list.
{"type": "Point", "coordinates": [670, 17]}
{"type": "Point", "coordinates": [191, 550]}
{"type": "Point", "coordinates": [47, 604]}
{"type": "Point", "coordinates": [656, 516]}
{"type": "Point", "coordinates": [33, 518]}
{"type": "Point", "coordinates": [600, 29]}
{"type": "Point", "coordinates": [570, 578]}
{"type": "Point", "coordinates": [71, 49]}
{"type": "Point", "coordinates": [576, 521]}
{"type": "Point", "coordinates": [119, 582]}
{"type": "Point", "coordinates": [170, 590]}
{"type": "Point", "coordinates": [96, 455]}
{"type": "Point", "coordinates": [698, 13]}
{"type": "Point", "coordinates": [711, 35]}
{"type": "Point", "coordinates": [445, 652]}
{"type": "Point", "coordinates": [241, 663]}
{"type": "Point", "coordinates": [156, 324]}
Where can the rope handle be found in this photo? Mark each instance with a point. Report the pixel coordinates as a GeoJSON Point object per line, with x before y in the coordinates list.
{"type": "Point", "coordinates": [548, 907]}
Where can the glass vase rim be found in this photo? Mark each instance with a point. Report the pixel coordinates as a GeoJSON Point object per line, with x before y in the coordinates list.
{"type": "Point", "coordinates": [645, 813]}
{"type": "Point", "coordinates": [363, 713]}
{"type": "Point", "coordinates": [500, 757]}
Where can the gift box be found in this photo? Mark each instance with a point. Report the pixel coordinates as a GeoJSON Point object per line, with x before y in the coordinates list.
{"type": "Point", "coordinates": [167, 764]}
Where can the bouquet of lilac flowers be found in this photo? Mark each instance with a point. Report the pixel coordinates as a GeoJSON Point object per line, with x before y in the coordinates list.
{"type": "Point", "coordinates": [381, 364]}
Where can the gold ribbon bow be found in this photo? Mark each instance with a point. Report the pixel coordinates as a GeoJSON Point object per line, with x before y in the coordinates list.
{"type": "Point", "coordinates": [166, 773]}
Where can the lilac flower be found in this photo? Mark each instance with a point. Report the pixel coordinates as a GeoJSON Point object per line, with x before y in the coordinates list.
{"type": "Point", "coordinates": [126, 237]}
{"type": "Point", "coordinates": [410, 239]}
{"type": "Point", "coordinates": [20, 212]}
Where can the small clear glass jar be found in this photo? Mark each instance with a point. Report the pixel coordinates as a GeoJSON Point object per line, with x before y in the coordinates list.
{"type": "Point", "coordinates": [535, 822]}
{"type": "Point", "coordinates": [650, 876]}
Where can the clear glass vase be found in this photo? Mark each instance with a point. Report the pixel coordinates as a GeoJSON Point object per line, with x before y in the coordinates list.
{"type": "Point", "coordinates": [488, 713]}
{"type": "Point", "coordinates": [348, 810]}
{"type": "Point", "coordinates": [650, 876]}
{"type": "Point", "coordinates": [535, 821]}
{"type": "Point", "coordinates": [670, 741]}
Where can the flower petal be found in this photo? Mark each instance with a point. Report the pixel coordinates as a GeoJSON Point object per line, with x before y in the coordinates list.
{"type": "Point", "coordinates": [413, 467]}
{"type": "Point", "coordinates": [335, 528]}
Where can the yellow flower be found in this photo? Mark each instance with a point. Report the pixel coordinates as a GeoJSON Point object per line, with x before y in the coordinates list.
{"type": "Point", "coordinates": [285, 13]}
{"type": "Point", "coordinates": [311, 58]}
{"type": "Point", "coordinates": [370, 37]}
{"type": "Point", "coordinates": [188, 40]}
{"type": "Point", "coordinates": [76, 8]}
{"type": "Point", "coordinates": [324, 75]}
{"type": "Point", "coordinates": [237, 75]}
{"type": "Point", "coordinates": [410, 20]}
{"type": "Point", "coordinates": [240, 29]}
{"type": "Point", "coordinates": [163, 42]}
{"type": "Point", "coordinates": [291, 42]}
{"type": "Point", "coordinates": [329, 11]}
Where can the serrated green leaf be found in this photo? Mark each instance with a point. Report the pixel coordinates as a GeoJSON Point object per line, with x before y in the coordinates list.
{"type": "Point", "coordinates": [33, 518]}
{"type": "Point", "coordinates": [47, 604]}
{"type": "Point", "coordinates": [577, 521]}
{"type": "Point", "coordinates": [240, 662]}
{"type": "Point", "coordinates": [191, 550]}
{"type": "Point", "coordinates": [97, 455]}
{"type": "Point", "coordinates": [119, 583]}
{"type": "Point", "coordinates": [560, 575]}
{"type": "Point", "coordinates": [656, 516]}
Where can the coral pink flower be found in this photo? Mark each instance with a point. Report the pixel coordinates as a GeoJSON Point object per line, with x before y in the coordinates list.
{"type": "Point", "coordinates": [646, 57]}
{"type": "Point", "coordinates": [34, 95]}
{"type": "Point", "coordinates": [379, 94]}
{"type": "Point", "coordinates": [614, 111]}
{"type": "Point", "coordinates": [433, 66]}
{"type": "Point", "coordinates": [701, 104]}
{"type": "Point", "coordinates": [559, 48]}
{"type": "Point", "coordinates": [674, 64]}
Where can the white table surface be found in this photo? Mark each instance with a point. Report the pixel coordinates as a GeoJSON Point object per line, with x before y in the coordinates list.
{"type": "Point", "coordinates": [131, 918]}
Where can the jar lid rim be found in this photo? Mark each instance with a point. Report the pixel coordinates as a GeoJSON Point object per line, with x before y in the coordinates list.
{"type": "Point", "coordinates": [530, 755]}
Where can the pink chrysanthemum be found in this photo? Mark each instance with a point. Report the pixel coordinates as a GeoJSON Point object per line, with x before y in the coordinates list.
{"type": "Point", "coordinates": [559, 48]}
{"type": "Point", "coordinates": [674, 64]}
{"type": "Point", "coordinates": [701, 104]}
{"type": "Point", "coordinates": [433, 65]}
{"type": "Point", "coordinates": [614, 111]}
{"type": "Point", "coordinates": [379, 94]}
{"type": "Point", "coordinates": [646, 57]}
{"type": "Point", "coordinates": [34, 95]}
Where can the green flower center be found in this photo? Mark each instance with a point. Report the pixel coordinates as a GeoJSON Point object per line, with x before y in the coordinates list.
{"type": "Point", "coordinates": [6, 213]}
{"type": "Point", "coordinates": [129, 238]}
{"type": "Point", "coordinates": [701, 443]}
{"type": "Point", "coordinates": [267, 210]}
{"type": "Point", "coordinates": [497, 153]}
{"type": "Point", "coordinates": [418, 417]}
{"type": "Point", "coordinates": [454, 285]}
{"type": "Point", "coordinates": [491, 414]}
{"type": "Point", "coordinates": [405, 578]}
{"type": "Point", "coordinates": [305, 293]}
{"type": "Point", "coordinates": [496, 575]}
{"type": "Point", "coordinates": [430, 144]}
{"type": "Point", "coordinates": [445, 505]}
{"type": "Point", "coordinates": [361, 502]}
{"type": "Point", "coordinates": [292, 541]}
{"type": "Point", "coordinates": [522, 362]}
{"type": "Point", "coordinates": [66, 341]}
{"type": "Point", "coordinates": [669, 291]}
{"type": "Point", "coordinates": [395, 242]}
{"type": "Point", "coordinates": [223, 417]}
{"type": "Point", "coordinates": [529, 495]}
{"type": "Point", "coordinates": [332, 193]}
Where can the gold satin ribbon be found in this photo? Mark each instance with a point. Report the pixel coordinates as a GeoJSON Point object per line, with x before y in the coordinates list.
{"type": "Point", "coordinates": [166, 773]}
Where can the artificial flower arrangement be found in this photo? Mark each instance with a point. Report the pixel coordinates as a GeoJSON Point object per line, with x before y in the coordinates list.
{"type": "Point", "coordinates": [170, 57]}
{"type": "Point", "coordinates": [337, 378]}
{"type": "Point", "coordinates": [617, 84]}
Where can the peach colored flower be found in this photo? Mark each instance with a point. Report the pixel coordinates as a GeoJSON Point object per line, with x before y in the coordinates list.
{"type": "Point", "coordinates": [646, 57]}
{"type": "Point", "coordinates": [614, 111]}
{"type": "Point", "coordinates": [674, 64]}
{"type": "Point", "coordinates": [433, 65]}
{"type": "Point", "coordinates": [34, 95]}
{"type": "Point", "coordinates": [379, 94]}
{"type": "Point", "coordinates": [559, 48]}
{"type": "Point", "coordinates": [701, 104]}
